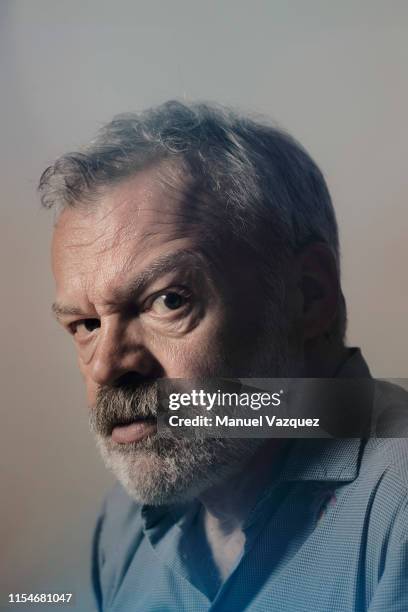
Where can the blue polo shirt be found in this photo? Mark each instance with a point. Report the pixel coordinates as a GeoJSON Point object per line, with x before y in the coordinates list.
{"type": "Point", "coordinates": [330, 533]}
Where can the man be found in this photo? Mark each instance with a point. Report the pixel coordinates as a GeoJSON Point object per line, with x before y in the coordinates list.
{"type": "Point", "coordinates": [195, 243]}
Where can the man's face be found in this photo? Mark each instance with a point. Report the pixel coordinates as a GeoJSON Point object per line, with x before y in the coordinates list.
{"type": "Point", "coordinates": [139, 292]}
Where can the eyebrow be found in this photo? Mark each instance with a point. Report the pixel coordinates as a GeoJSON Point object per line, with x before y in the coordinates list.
{"type": "Point", "coordinates": [159, 267]}
{"type": "Point", "coordinates": [61, 310]}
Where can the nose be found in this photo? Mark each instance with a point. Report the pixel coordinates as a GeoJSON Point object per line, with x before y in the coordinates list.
{"type": "Point", "coordinates": [121, 354]}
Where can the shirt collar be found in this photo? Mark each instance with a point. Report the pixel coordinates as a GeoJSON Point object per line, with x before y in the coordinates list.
{"type": "Point", "coordinates": [326, 460]}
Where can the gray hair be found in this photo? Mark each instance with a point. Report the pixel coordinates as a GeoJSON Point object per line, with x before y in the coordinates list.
{"type": "Point", "coordinates": [265, 192]}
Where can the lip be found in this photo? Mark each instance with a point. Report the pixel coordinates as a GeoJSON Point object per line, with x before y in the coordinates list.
{"type": "Point", "coordinates": [134, 432]}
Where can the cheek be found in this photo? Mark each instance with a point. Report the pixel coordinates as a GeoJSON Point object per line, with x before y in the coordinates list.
{"type": "Point", "coordinates": [199, 353]}
{"type": "Point", "coordinates": [91, 387]}
{"type": "Point", "coordinates": [90, 394]}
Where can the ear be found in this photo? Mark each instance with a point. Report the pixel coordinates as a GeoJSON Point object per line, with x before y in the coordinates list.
{"type": "Point", "coordinates": [318, 289]}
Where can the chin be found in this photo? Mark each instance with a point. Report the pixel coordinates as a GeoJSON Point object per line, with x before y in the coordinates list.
{"type": "Point", "coordinates": [150, 478]}
{"type": "Point", "coordinates": [168, 471]}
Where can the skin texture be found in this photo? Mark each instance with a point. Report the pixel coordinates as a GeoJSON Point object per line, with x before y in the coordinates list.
{"type": "Point", "coordinates": [97, 253]}
{"type": "Point", "coordinates": [126, 334]}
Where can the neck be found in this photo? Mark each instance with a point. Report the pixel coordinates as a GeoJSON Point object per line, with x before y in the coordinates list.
{"type": "Point", "coordinates": [322, 359]}
{"type": "Point", "coordinates": [228, 504]}
{"type": "Point", "coordinates": [226, 507]}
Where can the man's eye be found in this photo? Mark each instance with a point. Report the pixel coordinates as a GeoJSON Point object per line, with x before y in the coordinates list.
{"type": "Point", "coordinates": [166, 302]}
{"type": "Point", "coordinates": [84, 327]}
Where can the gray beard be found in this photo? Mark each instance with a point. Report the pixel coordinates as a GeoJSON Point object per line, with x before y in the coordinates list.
{"type": "Point", "coordinates": [164, 469]}
{"type": "Point", "coordinates": [174, 470]}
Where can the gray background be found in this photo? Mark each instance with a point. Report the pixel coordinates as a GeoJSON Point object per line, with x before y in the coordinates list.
{"type": "Point", "coordinates": [333, 73]}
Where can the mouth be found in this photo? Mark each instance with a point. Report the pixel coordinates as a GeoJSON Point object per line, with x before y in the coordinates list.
{"type": "Point", "coordinates": [134, 431]}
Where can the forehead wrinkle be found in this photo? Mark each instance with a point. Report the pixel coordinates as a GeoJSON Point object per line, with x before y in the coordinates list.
{"type": "Point", "coordinates": [81, 235]}
{"type": "Point", "coordinates": [125, 230]}
{"type": "Point", "coordinates": [141, 198]}
{"type": "Point", "coordinates": [88, 243]}
{"type": "Point", "coordinates": [174, 209]}
{"type": "Point", "coordinates": [161, 230]}
{"type": "Point", "coordinates": [115, 208]}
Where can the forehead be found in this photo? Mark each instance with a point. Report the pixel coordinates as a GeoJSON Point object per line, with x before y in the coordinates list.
{"type": "Point", "coordinates": [131, 223]}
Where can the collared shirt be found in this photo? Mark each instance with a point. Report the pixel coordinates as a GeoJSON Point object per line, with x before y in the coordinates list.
{"type": "Point", "coordinates": [330, 533]}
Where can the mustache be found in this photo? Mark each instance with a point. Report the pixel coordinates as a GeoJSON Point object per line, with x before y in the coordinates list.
{"type": "Point", "coordinates": [123, 405]}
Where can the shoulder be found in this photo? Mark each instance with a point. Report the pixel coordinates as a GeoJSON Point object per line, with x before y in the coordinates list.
{"type": "Point", "coordinates": [386, 524]}
{"type": "Point", "coordinates": [117, 536]}
{"type": "Point", "coordinates": [389, 445]}
{"type": "Point", "coordinates": [119, 504]}
{"type": "Point", "coordinates": [387, 458]}
{"type": "Point", "coordinates": [383, 481]}
{"type": "Point", "coordinates": [120, 516]}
